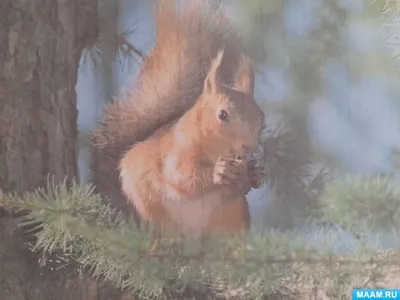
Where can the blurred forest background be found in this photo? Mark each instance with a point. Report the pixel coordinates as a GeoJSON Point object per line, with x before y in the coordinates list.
{"type": "Point", "coordinates": [327, 78]}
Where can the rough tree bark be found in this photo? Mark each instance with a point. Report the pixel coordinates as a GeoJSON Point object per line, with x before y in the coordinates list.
{"type": "Point", "coordinates": [41, 44]}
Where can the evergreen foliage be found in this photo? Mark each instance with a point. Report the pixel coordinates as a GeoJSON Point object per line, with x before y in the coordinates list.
{"type": "Point", "coordinates": [330, 86]}
{"type": "Point", "coordinates": [74, 221]}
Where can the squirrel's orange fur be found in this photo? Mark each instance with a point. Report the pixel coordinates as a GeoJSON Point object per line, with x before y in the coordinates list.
{"type": "Point", "coordinates": [176, 156]}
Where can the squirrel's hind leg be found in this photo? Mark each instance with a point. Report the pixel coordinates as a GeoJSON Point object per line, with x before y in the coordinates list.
{"type": "Point", "coordinates": [154, 247]}
{"type": "Point", "coordinates": [233, 219]}
{"type": "Point", "coordinates": [162, 241]}
{"type": "Point", "coordinates": [240, 253]}
{"type": "Point", "coordinates": [156, 231]}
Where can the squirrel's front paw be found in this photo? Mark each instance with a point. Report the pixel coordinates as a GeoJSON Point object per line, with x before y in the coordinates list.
{"type": "Point", "coordinates": [256, 176]}
{"type": "Point", "coordinates": [233, 173]}
{"type": "Point", "coordinates": [225, 172]}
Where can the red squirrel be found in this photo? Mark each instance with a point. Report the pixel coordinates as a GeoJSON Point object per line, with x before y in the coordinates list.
{"type": "Point", "coordinates": [177, 150]}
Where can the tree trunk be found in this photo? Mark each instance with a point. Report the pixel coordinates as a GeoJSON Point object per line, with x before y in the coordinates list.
{"type": "Point", "coordinates": [42, 41]}
{"type": "Point", "coordinates": [41, 44]}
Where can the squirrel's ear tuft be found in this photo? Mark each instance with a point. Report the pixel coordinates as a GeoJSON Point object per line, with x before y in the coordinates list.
{"type": "Point", "coordinates": [212, 83]}
{"type": "Point", "coordinates": [244, 77]}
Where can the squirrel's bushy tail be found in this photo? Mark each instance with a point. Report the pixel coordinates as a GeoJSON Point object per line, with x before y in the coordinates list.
{"type": "Point", "coordinates": [188, 36]}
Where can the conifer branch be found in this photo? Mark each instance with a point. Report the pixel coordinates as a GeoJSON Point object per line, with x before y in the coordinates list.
{"type": "Point", "coordinates": [78, 223]}
{"type": "Point", "coordinates": [361, 202]}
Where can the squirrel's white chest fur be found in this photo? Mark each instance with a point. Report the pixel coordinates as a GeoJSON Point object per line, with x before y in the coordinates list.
{"type": "Point", "coordinates": [190, 214]}
{"type": "Point", "coordinates": [193, 215]}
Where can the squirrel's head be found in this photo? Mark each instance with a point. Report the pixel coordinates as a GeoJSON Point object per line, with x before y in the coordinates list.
{"type": "Point", "coordinates": [229, 113]}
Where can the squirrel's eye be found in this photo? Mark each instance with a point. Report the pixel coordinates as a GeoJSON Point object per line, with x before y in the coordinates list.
{"type": "Point", "coordinates": [223, 115]}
